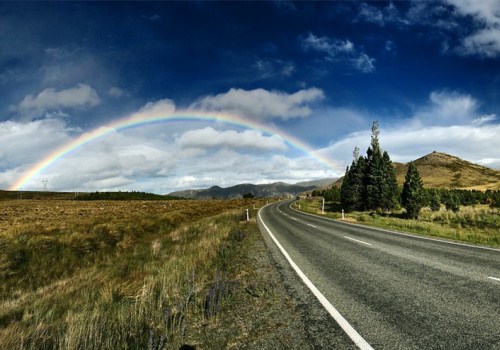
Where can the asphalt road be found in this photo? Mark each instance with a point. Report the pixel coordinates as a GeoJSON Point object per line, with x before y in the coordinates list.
{"type": "Point", "coordinates": [397, 291]}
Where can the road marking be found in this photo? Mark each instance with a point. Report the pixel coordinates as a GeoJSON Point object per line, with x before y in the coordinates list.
{"type": "Point", "coordinates": [357, 240]}
{"type": "Point", "coordinates": [291, 217]}
{"type": "Point", "coordinates": [494, 278]}
{"type": "Point", "coordinates": [350, 331]}
{"type": "Point", "coordinates": [312, 225]}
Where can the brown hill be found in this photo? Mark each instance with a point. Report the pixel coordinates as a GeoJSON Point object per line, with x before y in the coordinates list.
{"type": "Point", "coordinates": [441, 170]}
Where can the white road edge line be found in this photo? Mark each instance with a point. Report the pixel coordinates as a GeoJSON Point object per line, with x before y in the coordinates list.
{"type": "Point", "coordinates": [350, 331]}
{"type": "Point", "coordinates": [494, 278]}
{"type": "Point", "coordinates": [357, 240]}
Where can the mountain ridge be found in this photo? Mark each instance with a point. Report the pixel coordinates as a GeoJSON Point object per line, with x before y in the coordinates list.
{"type": "Point", "coordinates": [275, 189]}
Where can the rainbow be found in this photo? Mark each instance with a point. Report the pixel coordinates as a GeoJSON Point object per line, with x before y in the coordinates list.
{"type": "Point", "coordinates": [144, 118]}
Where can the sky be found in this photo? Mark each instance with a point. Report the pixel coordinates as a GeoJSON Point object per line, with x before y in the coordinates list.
{"type": "Point", "coordinates": [298, 85]}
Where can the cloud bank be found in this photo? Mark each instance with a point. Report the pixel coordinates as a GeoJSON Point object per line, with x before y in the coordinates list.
{"type": "Point", "coordinates": [449, 122]}
{"type": "Point", "coordinates": [262, 104]}
{"type": "Point", "coordinates": [248, 139]}
{"type": "Point", "coordinates": [79, 96]}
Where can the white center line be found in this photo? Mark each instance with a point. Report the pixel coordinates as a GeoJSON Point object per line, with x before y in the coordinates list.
{"type": "Point", "coordinates": [494, 278]}
{"type": "Point", "coordinates": [291, 217]}
{"type": "Point", "coordinates": [357, 240]}
{"type": "Point", "coordinates": [311, 225]}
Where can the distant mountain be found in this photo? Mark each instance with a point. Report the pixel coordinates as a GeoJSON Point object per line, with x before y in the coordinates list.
{"type": "Point", "coordinates": [441, 170]}
{"type": "Point", "coordinates": [277, 189]}
{"type": "Point", "coordinates": [323, 183]}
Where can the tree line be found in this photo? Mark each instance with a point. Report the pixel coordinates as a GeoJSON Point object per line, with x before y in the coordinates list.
{"type": "Point", "coordinates": [134, 195]}
{"type": "Point", "coordinates": [370, 184]}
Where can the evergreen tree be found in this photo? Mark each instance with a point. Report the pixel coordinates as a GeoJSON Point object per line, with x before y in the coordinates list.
{"type": "Point", "coordinates": [352, 189]}
{"type": "Point", "coordinates": [370, 183]}
{"type": "Point", "coordinates": [381, 184]}
{"type": "Point", "coordinates": [346, 190]}
{"type": "Point", "coordinates": [390, 192]}
{"type": "Point", "coordinates": [435, 200]}
{"type": "Point", "coordinates": [374, 178]}
{"type": "Point", "coordinates": [495, 202]}
{"type": "Point", "coordinates": [451, 202]}
{"type": "Point", "coordinates": [413, 194]}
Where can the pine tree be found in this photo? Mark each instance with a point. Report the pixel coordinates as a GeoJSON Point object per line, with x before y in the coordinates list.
{"type": "Point", "coordinates": [435, 200]}
{"type": "Point", "coordinates": [380, 181]}
{"type": "Point", "coordinates": [451, 202]}
{"type": "Point", "coordinates": [390, 192]}
{"type": "Point", "coordinates": [413, 194]}
{"type": "Point", "coordinates": [352, 189]}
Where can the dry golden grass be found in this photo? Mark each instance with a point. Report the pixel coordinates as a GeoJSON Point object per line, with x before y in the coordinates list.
{"type": "Point", "coordinates": [108, 275]}
{"type": "Point", "coordinates": [479, 224]}
{"type": "Point", "coordinates": [441, 170]}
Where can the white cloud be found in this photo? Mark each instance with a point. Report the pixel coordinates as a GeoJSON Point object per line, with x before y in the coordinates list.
{"type": "Point", "coordinates": [480, 38]}
{"type": "Point", "coordinates": [79, 96]}
{"type": "Point", "coordinates": [262, 104]}
{"type": "Point", "coordinates": [447, 108]}
{"type": "Point", "coordinates": [272, 68]}
{"type": "Point", "coordinates": [337, 50]}
{"type": "Point", "coordinates": [450, 122]}
{"type": "Point", "coordinates": [158, 108]}
{"type": "Point", "coordinates": [484, 119]}
{"type": "Point", "coordinates": [486, 11]}
{"type": "Point", "coordinates": [22, 143]}
{"type": "Point", "coordinates": [370, 14]}
{"type": "Point", "coordinates": [248, 139]}
{"type": "Point", "coordinates": [116, 92]}
{"type": "Point", "coordinates": [364, 63]}
{"type": "Point", "coordinates": [485, 40]}
{"type": "Point", "coordinates": [330, 46]}
{"type": "Point", "coordinates": [406, 143]}
{"type": "Point", "coordinates": [380, 16]}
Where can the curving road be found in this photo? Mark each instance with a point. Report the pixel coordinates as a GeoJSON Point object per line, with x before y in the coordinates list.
{"type": "Point", "coordinates": [395, 291]}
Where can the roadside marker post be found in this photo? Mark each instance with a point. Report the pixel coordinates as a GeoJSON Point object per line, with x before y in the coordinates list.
{"type": "Point", "coordinates": [248, 216]}
{"type": "Point", "coordinates": [343, 214]}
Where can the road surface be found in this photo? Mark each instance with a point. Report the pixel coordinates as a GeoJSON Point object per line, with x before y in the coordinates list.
{"type": "Point", "coordinates": [395, 291]}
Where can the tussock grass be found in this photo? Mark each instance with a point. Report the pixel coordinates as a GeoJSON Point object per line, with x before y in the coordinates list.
{"type": "Point", "coordinates": [115, 275]}
{"type": "Point", "coordinates": [478, 225]}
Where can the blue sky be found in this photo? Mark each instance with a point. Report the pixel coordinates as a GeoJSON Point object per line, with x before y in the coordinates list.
{"type": "Point", "coordinates": [320, 72]}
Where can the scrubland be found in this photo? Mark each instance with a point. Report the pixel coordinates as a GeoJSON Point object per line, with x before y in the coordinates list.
{"type": "Point", "coordinates": [133, 274]}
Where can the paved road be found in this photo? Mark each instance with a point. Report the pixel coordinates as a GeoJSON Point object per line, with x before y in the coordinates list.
{"type": "Point", "coordinates": [396, 291]}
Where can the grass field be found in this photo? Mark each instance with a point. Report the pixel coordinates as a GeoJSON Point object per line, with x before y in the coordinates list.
{"type": "Point", "coordinates": [477, 225]}
{"type": "Point", "coordinates": [138, 275]}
